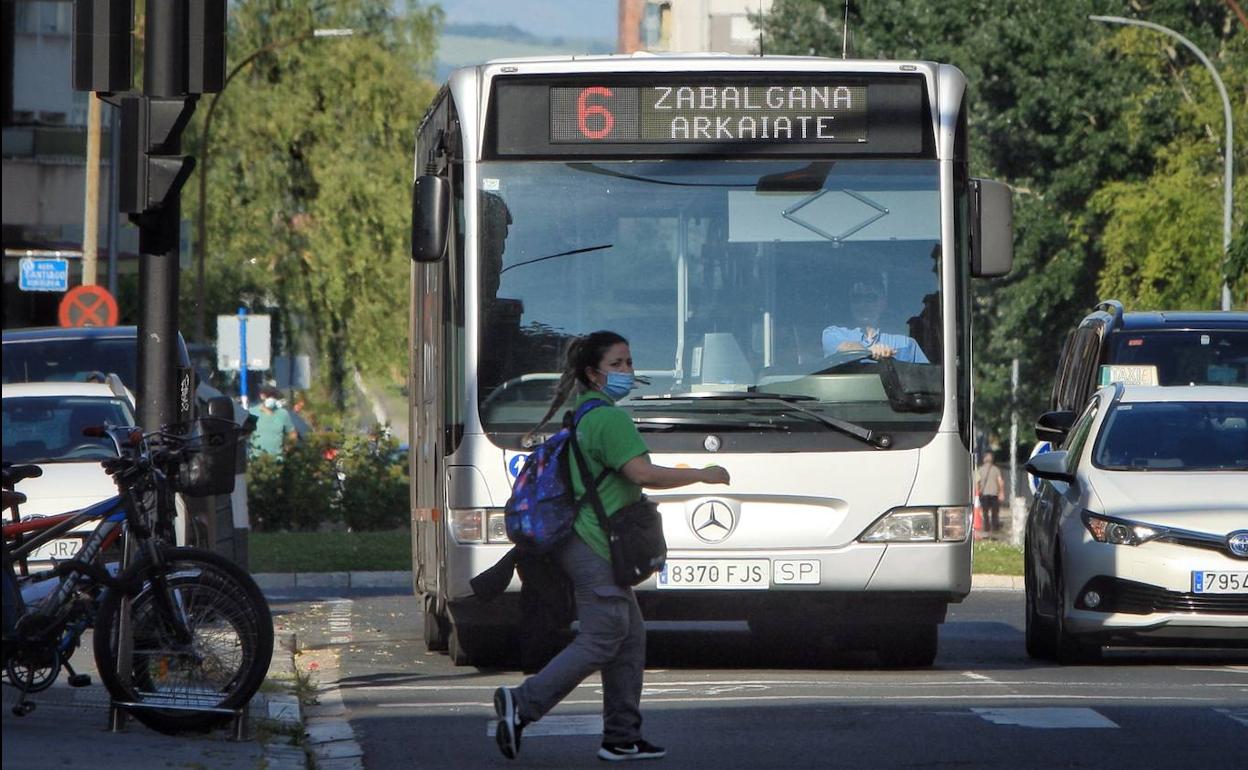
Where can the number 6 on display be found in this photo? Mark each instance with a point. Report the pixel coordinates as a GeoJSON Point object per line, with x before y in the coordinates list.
{"type": "Point", "coordinates": [584, 110]}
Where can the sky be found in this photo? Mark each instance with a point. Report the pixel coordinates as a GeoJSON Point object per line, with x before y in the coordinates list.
{"type": "Point", "coordinates": [547, 18]}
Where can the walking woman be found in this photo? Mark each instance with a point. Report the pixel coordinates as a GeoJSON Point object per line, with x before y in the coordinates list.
{"type": "Point", "coordinates": [612, 637]}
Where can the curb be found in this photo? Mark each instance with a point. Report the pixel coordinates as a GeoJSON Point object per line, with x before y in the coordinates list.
{"type": "Point", "coordinates": [359, 579]}
{"type": "Point", "coordinates": [997, 582]}
{"type": "Point", "coordinates": [285, 711]}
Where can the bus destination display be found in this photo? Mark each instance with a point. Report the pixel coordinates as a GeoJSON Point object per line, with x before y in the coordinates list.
{"type": "Point", "coordinates": [708, 113]}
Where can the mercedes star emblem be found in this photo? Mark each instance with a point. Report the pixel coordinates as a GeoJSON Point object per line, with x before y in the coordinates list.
{"type": "Point", "coordinates": [713, 521]}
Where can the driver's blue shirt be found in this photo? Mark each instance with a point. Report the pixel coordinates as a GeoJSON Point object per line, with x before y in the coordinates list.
{"type": "Point", "coordinates": [907, 349]}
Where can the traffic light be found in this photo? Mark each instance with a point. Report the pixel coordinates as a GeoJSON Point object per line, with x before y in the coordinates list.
{"type": "Point", "coordinates": [101, 50]}
{"type": "Point", "coordinates": [205, 46]}
{"type": "Point", "coordinates": [152, 166]}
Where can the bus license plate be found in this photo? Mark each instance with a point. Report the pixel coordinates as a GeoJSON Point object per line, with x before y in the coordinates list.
{"type": "Point", "coordinates": [1204, 582]}
{"type": "Point", "coordinates": [715, 573]}
{"type": "Point", "coordinates": [61, 549]}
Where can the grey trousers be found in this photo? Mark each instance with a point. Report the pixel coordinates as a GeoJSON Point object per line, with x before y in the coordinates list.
{"type": "Point", "coordinates": [612, 639]}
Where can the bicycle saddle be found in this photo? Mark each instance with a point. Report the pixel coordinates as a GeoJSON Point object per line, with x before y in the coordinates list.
{"type": "Point", "coordinates": [15, 473]}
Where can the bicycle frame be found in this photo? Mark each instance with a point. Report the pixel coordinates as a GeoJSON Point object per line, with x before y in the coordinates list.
{"type": "Point", "coordinates": [112, 514]}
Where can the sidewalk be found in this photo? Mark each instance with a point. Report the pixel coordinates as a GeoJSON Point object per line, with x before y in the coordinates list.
{"type": "Point", "coordinates": [70, 728]}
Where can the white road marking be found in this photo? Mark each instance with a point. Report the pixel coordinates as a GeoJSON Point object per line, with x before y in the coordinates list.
{"type": "Point", "coordinates": [1047, 718]}
{"type": "Point", "coordinates": [967, 680]}
{"type": "Point", "coordinates": [1239, 715]}
{"type": "Point", "coordinates": [812, 697]}
{"type": "Point", "coordinates": [573, 724]}
{"type": "Point", "coordinates": [339, 621]}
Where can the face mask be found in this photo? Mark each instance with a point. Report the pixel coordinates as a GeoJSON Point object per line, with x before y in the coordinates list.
{"type": "Point", "coordinates": [270, 403]}
{"type": "Point", "coordinates": [618, 384]}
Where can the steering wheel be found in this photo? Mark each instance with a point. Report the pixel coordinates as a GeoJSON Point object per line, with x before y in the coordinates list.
{"type": "Point", "coordinates": [85, 449]}
{"type": "Point", "coordinates": [841, 359]}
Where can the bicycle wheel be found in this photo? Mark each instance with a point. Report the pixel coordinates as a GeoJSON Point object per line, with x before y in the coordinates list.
{"type": "Point", "coordinates": [222, 665]}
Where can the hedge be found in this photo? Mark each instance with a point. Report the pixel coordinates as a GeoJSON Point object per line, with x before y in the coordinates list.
{"type": "Point", "coordinates": [330, 480]}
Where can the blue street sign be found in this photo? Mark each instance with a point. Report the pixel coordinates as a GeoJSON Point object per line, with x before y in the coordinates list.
{"type": "Point", "coordinates": [44, 274]}
{"type": "Point", "coordinates": [1040, 448]}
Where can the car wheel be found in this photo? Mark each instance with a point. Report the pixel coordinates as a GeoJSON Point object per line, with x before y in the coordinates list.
{"type": "Point", "coordinates": [1039, 631]}
{"type": "Point", "coordinates": [1068, 648]}
{"type": "Point", "coordinates": [434, 627]}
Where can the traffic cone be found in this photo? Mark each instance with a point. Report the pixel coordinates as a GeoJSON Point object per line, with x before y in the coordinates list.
{"type": "Point", "coordinates": [979, 520]}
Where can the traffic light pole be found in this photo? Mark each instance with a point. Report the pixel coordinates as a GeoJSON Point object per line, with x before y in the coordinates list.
{"type": "Point", "coordinates": [164, 75]}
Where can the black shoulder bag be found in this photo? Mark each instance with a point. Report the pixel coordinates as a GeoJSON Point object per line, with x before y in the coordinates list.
{"type": "Point", "coordinates": [634, 533]}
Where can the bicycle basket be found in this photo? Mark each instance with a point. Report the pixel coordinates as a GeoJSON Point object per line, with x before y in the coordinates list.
{"type": "Point", "coordinates": [211, 468]}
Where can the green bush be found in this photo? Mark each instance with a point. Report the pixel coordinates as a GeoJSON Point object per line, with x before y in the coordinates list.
{"type": "Point", "coordinates": [302, 492]}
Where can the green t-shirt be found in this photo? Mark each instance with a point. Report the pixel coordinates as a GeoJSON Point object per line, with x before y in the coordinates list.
{"type": "Point", "coordinates": [271, 430]}
{"type": "Point", "coordinates": [608, 439]}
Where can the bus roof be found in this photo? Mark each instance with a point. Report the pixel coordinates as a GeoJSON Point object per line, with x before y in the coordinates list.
{"type": "Point", "coordinates": [643, 61]}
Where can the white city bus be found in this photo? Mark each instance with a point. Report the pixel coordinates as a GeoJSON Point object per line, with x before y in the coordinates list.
{"type": "Point", "coordinates": [729, 216]}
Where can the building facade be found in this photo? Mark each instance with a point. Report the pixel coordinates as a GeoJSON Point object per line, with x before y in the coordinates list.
{"type": "Point", "coordinates": [44, 156]}
{"type": "Point", "coordinates": [690, 26]}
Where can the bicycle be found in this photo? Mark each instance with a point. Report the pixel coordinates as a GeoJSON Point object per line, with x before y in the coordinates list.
{"type": "Point", "coordinates": [202, 634]}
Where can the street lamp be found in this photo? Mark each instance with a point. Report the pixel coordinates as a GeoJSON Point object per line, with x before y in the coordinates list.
{"type": "Point", "coordinates": [201, 227]}
{"type": "Point", "coordinates": [1226, 111]}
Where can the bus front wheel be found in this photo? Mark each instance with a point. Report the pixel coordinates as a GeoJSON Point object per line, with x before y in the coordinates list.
{"type": "Point", "coordinates": [434, 627]}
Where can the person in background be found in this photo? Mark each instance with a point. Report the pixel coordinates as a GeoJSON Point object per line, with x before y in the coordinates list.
{"type": "Point", "coordinates": [988, 483]}
{"type": "Point", "coordinates": [274, 427]}
{"type": "Point", "coordinates": [867, 300]}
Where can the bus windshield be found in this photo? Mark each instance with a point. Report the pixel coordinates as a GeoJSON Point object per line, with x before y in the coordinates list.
{"type": "Point", "coordinates": [800, 282]}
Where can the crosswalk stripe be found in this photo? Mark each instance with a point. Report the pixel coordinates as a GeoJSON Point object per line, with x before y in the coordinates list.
{"type": "Point", "coordinates": [573, 724]}
{"type": "Point", "coordinates": [1239, 715]}
{"type": "Point", "coordinates": [1046, 718]}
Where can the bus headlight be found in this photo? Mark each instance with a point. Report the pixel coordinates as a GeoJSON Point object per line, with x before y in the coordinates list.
{"type": "Point", "coordinates": [477, 525]}
{"type": "Point", "coordinates": [946, 523]}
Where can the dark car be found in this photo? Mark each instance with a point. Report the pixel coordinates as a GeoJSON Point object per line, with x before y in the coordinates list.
{"type": "Point", "coordinates": [1161, 347]}
{"type": "Point", "coordinates": [81, 354]}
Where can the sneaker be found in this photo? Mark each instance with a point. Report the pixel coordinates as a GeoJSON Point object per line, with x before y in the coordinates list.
{"type": "Point", "coordinates": [621, 752]}
{"type": "Point", "coordinates": [510, 725]}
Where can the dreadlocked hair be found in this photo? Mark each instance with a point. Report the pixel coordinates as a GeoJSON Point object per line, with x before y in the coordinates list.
{"type": "Point", "coordinates": [582, 353]}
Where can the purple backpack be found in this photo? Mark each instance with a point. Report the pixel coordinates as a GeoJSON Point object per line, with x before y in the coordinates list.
{"type": "Point", "coordinates": [541, 509]}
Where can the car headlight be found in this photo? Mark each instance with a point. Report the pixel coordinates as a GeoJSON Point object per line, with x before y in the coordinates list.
{"type": "Point", "coordinates": [478, 525]}
{"type": "Point", "coordinates": [1116, 531]}
{"type": "Point", "coordinates": [946, 523]}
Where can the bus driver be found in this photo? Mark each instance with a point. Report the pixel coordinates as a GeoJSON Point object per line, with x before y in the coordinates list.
{"type": "Point", "coordinates": [867, 300]}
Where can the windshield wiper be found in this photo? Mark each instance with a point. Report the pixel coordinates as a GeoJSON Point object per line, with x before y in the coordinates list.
{"type": "Point", "coordinates": [672, 423]}
{"type": "Point", "coordinates": [570, 253]}
{"type": "Point", "coordinates": [866, 435]}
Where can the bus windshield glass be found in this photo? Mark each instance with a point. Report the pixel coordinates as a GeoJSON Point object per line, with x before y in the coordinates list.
{"type": "Point", "coordinates": [760, 283]}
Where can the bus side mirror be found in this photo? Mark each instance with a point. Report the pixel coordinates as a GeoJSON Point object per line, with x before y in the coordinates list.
{"type": "Point", "coordinates": [431, 197]}
{"type": "Point", "coordinates": [1053, 426]}
{"type": "Point", "coordinates": [992, 228]}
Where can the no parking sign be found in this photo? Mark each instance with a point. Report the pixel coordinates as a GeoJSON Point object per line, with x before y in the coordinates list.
{"type": "Point", "coordinates": [88, 305]}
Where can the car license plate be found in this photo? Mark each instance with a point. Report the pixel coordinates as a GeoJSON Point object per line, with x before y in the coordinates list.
{"type": "Point", "coordinates": [715, 573]}
{"type": "Point", "coordinates": [1206, 582]}
{"type": "Point", "coordinates": [61, 549]}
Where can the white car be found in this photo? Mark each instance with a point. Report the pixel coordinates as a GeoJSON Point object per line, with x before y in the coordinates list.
{"type": "Point", "coordinates": [43, 425]}
{"type": "Point", "coordinates": [1139, 533]}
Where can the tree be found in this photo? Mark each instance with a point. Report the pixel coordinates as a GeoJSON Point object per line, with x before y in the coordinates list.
{"type": "Point", "coordinates": [1163, 237]}
{"type": "Point", "coordinates": [1053, 116]}
{"type": "Point", "coordinates": [310, 175]}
